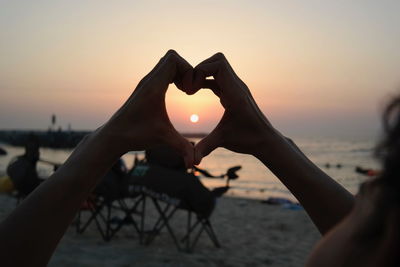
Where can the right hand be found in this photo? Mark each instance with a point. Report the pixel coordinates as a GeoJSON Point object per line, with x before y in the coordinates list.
{"type": "Point", "coordinates": [243, 127]}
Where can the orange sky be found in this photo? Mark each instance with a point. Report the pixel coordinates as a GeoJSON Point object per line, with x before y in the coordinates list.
{"type": "Point", "coordinates": [311, 66]}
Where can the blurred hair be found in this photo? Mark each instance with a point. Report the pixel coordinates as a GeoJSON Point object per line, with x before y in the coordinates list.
{"type": "Point", "coordinates": [388, 151]}
{"type": "Point", "coordinates": [32, 141]}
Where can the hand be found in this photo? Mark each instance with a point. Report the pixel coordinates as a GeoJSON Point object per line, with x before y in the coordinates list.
{"type": "Point", "coordinates": [142, 122]}
{"type": "Point", "coordinates": [243, 126]}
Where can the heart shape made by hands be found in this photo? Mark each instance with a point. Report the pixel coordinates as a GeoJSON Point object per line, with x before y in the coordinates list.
{"type": "Point", "coordinates": [143, 122]}
{"type": "Point", "coordinates": [191, 82]}
{"type": "Point", "coordinates": [242, 126]}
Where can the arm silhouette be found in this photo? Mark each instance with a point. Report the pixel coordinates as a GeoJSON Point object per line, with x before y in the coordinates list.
{"type": "Point", "coordinates": [30, 234]}
{"type": "Point", "coordinates": [244, 129]}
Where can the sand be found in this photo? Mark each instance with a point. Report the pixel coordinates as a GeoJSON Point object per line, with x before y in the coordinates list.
{"type": "Point", "coordinates": [251, 234]}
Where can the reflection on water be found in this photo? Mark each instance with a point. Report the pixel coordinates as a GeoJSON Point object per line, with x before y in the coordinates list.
{"type": "Point", "coordinates": [255, 180]}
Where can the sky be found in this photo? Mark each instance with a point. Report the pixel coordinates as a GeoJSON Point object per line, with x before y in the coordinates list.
{"type": "Point", "coordinates": [314, 67]}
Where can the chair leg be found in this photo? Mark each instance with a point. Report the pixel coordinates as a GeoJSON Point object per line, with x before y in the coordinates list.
{"type": "Point", "coordinates": [108, 233]}
{"type": "Point", "coordinates": [166, 223]}
{"type": "Point", "coordinates": [196, 239]}
{"type": "Point", "coordinates": [205, 225]}
{"type": "Point", "coordinates": [97, 218]}
{"type": "Point", "coordinates": [190, 230]}
{"type": "Point", "coordinates": [189, 222]}
{"type": "Point", "coordinates": [160, 222]}
{"type": "Point", "coordinates": [143, 214]}
{"type": "Point", "coordinates": [210, 231]}
{"type": "Point", "coordinates": [128, 216]}
{"type": "Point", "coordinates": [94, 212]}
{"type": "Point", "coordinates": [142, 219]}
{"type": "Point", "coordinates": [139, 228]}
{"type": "Point", "coordinates": [101, 213]}
{"type": "Point", "coordinates": [78, 221]}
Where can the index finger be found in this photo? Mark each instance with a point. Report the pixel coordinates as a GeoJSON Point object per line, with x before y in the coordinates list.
{"type": "Point", "coordinates": [171, 68]}
{"type": "Point", "coordinates": [218, 67]}
{"type": "Point", "coordinates": [175, 69]}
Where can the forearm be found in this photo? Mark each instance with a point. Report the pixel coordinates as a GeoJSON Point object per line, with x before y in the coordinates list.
{"type": "Point", "coordinates": [324, 199]}
{"type": "Point", "coordinates": [36, 226]}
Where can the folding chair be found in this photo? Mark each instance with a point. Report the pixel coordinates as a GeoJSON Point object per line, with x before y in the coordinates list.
{"type": "Point", "coordinates": [199, 224]}
{"type": "Point", "coordinates": [110, 208]}
{"type": "Point", "coordinates": [171, 191]}
{"type": "Point", "coordinates": [170, 188]}
{"type": "Point", "coordinates": [106, 214]}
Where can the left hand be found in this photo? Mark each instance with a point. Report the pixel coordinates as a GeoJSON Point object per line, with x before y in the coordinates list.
{"type": "Point", "coordinates": [142, 122]}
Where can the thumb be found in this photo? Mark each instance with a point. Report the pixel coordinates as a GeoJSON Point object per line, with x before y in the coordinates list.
{"type": "Point", "coordinates": [206, 146]}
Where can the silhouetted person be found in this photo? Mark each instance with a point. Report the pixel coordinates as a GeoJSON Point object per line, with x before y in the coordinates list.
{"type": "Point", "coordinates": [22, 169]}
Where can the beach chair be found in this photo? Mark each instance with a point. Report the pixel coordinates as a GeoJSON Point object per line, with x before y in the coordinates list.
{"type": "Point", "coordinates": [109, 216]}
{"type": "Point", "coordinates": [171, 192]}
{"type": "Point", "coordinates": [171, 188]}
{"type": "Point", "coordinates": [196, 225]}
{"type": "Point", "coordinates": [110, 208]}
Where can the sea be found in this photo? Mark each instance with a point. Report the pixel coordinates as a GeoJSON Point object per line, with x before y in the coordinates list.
{"type": "Point", "coordinates": [338, 157]}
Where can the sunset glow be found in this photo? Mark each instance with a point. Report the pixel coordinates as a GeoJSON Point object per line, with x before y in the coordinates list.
{"type": "Point", "coordinates": [310, 65]}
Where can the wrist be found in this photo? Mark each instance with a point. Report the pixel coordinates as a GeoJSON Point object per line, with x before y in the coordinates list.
{"type": "Point", "coordinates": [89, 161]}
{"type": "Point", "coordinates": [110, 141]}
{"type": "Point", "coordinates": [272, 141]}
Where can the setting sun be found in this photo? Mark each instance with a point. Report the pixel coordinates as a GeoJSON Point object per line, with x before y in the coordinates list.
{"type": "Point", "coordinates": [194, 118]}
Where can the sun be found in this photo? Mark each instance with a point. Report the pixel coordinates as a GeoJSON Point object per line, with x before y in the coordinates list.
{"type": "Point", "coordinates": [194, 118]}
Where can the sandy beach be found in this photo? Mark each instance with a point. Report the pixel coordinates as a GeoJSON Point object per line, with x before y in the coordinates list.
{"type": "Point", "coordinates": [251, 234]}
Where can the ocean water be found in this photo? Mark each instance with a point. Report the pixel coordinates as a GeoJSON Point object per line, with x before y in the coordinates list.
{"type": "Point", "coordinates": [255, 180]}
